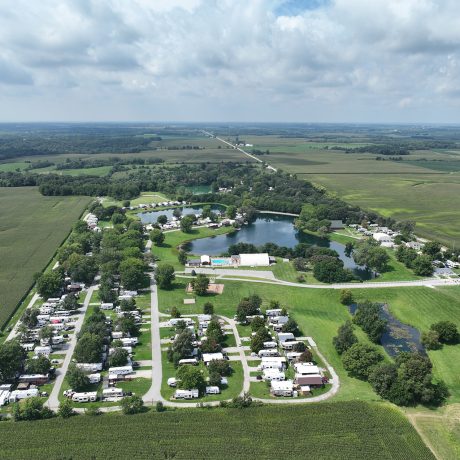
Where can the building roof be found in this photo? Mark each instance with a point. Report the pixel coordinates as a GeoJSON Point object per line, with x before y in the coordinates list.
{"type": "Point", "coordinates": [254, 259]}
{"type": "Point", "coordinates": [381, 237]}
{"type": "Point", "coordinates": [212, 356]}
{"type": "Point", "coordinates": [283, 385]}
{"type": "Point", "coordinates": [303, 369]}
{"type": "Point", "coordinates": [309, 379]}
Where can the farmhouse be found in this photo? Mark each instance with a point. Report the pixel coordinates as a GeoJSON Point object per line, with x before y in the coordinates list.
{"type": "Point", "coordinates": [282, 388]}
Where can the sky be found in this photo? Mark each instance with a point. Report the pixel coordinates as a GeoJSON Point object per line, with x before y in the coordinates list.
{"type": "Point", "coordinates": [367, 61]}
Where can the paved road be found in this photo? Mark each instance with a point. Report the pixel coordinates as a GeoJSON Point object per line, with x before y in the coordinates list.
{"type": "Point", "coordinates": [154, 392]}
{"type": "Point", "coordinates": [53, 401]}
{"type": "Point", "coordinates": [14, 331]}
{"type": "Point", "coordinates": [428, 283]}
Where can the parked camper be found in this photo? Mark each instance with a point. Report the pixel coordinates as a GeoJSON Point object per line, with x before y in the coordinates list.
{"type": "Point", "coordinates": [129, 341]}
{"type": "Point", "coordinates": [59, 319]}
{"type": "Point", "coordinates": [274, 312]}
{"type": "Point", "coordinates": [121, 370]}
{"type": "Point", "coordinates": [4, 397]}
{"type": "Point", "coordinates": [57, 339]}
{"type": "Point", "coordinates": [89, 396]}
{"type": "Point", "coordinates": [173, 322]}
{"type": "Point", "coordinates": [17, 395]}
{"type": "Point", "coordinates": [270, 344]}
{"type": "Point", "coordinates": [186, 394]}
{"type": "Point", "coordinates": [289, 345]}
{"type": "Point", "coordinates": [117, 335]}
{"type": "Point", "coordinates": [46, 310]}
{"type": "Point", "coordinates": [213, 390]}
{"type": "Point", "coordinates": [90, 367]}
{"type": "Point", "coordinates": [58, 326]}
{"type": "Point", "coordinates": [62, 313]}
{"type": "Point", "coordinates": [106, 306]}
{"type": "Point", "coordinates": [94, 378]}
{"type": "Point", "coordinates": [43, 318]}
{"type": "Point", "coordinates": [34, 379]}
{"type": "Point", "coordinates": [273, 375]}
{"type": "Point", "coordinates": [112, 393]}
{"type": "Point", "coordinates": [192, 361]}
{"type": "Point", "coordinates": [43, 351]}
{"type": "Point", "coordinates": [28, 346]}
{"type": "Point", "coordinates": [270, 352]}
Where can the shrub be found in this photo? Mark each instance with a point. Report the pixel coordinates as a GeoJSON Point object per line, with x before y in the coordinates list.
{"type": "Point", "coordinates": [132, 405]}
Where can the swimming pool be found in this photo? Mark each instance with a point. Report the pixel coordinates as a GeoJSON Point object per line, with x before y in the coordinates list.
{"type": "Point", "coordinates": [220, 261]}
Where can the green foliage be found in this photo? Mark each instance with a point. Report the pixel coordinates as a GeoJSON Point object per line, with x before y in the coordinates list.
{"type": "Point", "coordinates": [291, 326]}
{"type": "Point", "coordinates": [360, 359]}
{"type": "Point", "coordinates": [191, 377]}
{"type": "Point", "coordinates": [182, 347]}
{"type": "Point", "coordinates": [346, 297]}
{"type": "Point", "coordinates": [157, 236]}
{"type": "Point", "coordinates": [162, 219]}
{"type": "Point", "coordinates": [40, 365]}
{"type": "Point", "coordinates": [182, 257]}
{"type": "Point", "coordinates": [306, 357]}
{"type": "Point", "coordinates": [186, 224]}
{"type": "Point", "coordinates": [432, 249]}
{"type": "Point", "coordinates": [127, 325]}
{"type": "Point", "coordinates": [50, 283]}
{"type": "Point", "coordinates": [447, 332]}
{"type": "Point", "coordinates": [215, 332]}
{"type": "Point", "coordinates": [31, 409]}
{"type": "Point", "coordinates": [76, 378]}
{"type": "Point", "coordinates": [119, 357]}
{"type": "Point", "coordinates": [422, 265]}
{"type": "Point", "coordinates": [371, 255]}
{"type": "Point", "coordinates": [132, 405]}
{"type": "Point", "coordinates": [81, 268]}
{"type": "Point", "coordinates": [257, 323]}
{"type": "Point", "coordinates": [330, 270]}
{"type": "Point", "coordinates": [65, 409]}
{"type": "Point", "coordinates": [159, 407]}
{"type": "Point", "coordinates": [175, 312]}
{"type": "Point", "coordinates": [368, 317]}
{"type": "Point", "coordinates": [88, 348]}
{"type": "Point", "coordinates": [430, 340]}
{"type": "Point", "coordinates": [164, 276]}
{"type": "Point", "coordinates": [132, 273]}
{"type": "Point", "coordinates": [12, 356]}
{"type": "Point", "coordinates": [257, 341]}
{"type": "Point", "coordinates": [200, 284]}
{"type": "Point", "coordinates": [221, 367]}
{"type": "Point", "coordinates": [208, 308]}
{"type": "Point", "coordinates": [345, 338]}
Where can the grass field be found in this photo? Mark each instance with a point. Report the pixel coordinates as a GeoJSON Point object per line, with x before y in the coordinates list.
{"type": "Point", "coordinates": [326, 431]}
{"type": "Point", "coordinates": [440, 430]}
{"type": "Point", "coordinates": [31, 229]}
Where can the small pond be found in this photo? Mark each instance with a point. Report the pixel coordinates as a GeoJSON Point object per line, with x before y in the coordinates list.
{"type": "Point", "coordinates": [152, 216]}
{"type": "Point", "coordinates": [398, 336]}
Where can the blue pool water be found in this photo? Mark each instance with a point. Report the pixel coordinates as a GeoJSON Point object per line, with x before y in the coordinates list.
{"type": "Point", "coordinates": [220, 262]}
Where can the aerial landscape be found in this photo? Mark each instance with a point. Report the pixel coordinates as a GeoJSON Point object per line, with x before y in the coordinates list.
{"type": "Point", "coordinates": [229, 229]}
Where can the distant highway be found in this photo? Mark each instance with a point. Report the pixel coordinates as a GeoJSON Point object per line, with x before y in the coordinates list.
{"type": "Point", "coordinates": [235, 147]}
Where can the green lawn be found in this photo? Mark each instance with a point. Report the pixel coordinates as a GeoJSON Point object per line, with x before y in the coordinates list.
{"type": "Point", "coordinates": [329, 431]}
{"type": "Point", "coordinates": [32, 227]}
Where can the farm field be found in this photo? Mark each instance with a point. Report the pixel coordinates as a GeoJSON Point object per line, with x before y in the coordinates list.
{"type": "Point", "coordinates": [31, 229]}
{"type": "Point", "coordinates": [379, 432]}
{"type": "Point", "coordinates": [423, 187]}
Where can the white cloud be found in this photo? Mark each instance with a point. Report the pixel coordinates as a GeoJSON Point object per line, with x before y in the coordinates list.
{"type": "Point", "coordinates": [338, 60]}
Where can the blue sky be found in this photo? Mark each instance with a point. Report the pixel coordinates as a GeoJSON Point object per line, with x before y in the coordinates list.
{"type": "Point", "coordinates": [230, 60]}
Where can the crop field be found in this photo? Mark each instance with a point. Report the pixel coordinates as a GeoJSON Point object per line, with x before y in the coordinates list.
{"type": "Point", "coordinates": [326, 431]}
{"type": "Point", "coordinates": [423, 187]}
{"type": "Point", "coordinates": [31, 229]}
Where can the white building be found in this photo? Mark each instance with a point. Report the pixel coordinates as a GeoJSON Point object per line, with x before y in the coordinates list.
{"type": "Point", "coordinates": [208, 357]}
{"type": "Point", "coordinates": [252, 260]}
{"type": "Point", "coordinates": [306, 368]}
{"type": "Point", "coordinates": [381, 237]}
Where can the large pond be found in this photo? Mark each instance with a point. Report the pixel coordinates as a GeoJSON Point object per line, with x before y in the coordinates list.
{"type": "Point", "coordinates": [267, 228]}
{"type": "Point", "coordinates": [398, 336]}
